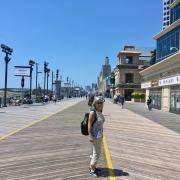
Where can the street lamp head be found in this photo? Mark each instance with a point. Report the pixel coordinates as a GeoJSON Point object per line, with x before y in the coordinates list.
{"type": "Point", "coordinates": [6, 49]}
{"type": "Point", "coordinates": [48, 70]}
{"type": "Point", "coordinates": [46, 63]}
{"type": "Point", "coordinates": [31, 62]}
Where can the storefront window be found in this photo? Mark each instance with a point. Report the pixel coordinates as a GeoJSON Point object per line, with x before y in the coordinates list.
{"type": "Point", "coordinates": [178, 102]}
{"type": "Point", "coordinates": [175, 99]}
{"type": "Point", "coordinates": [156, 97]}
{"type": "Point", "coordinates": [172, 100]}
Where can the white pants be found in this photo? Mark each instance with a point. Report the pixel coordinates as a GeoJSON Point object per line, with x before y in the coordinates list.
{"type": "Point", "coordinates": [96, 151]}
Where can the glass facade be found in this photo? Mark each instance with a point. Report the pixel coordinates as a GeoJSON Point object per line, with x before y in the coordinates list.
{"type": "Point", "coordinates": [166, 42]}
{"type": "Point", "coordinates": [175, 14]}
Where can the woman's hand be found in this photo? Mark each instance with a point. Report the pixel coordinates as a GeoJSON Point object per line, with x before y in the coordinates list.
{"type": "Point", "coordinates": [90, 139]}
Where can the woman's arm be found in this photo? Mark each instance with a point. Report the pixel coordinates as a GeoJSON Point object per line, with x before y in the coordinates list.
{"type": "Point", "coordinates": [90, 123]}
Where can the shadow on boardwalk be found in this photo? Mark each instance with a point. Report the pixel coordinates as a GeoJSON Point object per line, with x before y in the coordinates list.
{"type": "Point", "coordinates": [106, 172]}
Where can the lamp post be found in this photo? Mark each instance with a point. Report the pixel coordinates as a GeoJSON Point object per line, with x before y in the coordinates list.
{"type": "Point", "coordinates": [72, 88]}
{"type": "Point", "coordinates": [8, 51]}
{"type": "Point", "coordinates": [48, 71]}
{"type": "Point", "coordinates": [57, 74]}
{"type": "Point", "coordinates": [57, 85]}
{"type": "Point", "coordinates": [67, 87]}
{"type": "Point", "coordinates": [37, 72]}
{"type": "Point", "coordinates": [22, 87]}
{"type": "Point", "coordinates": [36, 78]}
{"type": "Point", "coordinates": [31, 63]}
{"type": "Point", "coordinates": [45, 71]}
{"type": "Point", "coordinates": [52, 82]}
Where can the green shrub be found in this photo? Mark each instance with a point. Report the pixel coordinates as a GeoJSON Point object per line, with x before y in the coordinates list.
{"type": "Point", "coordinates": [138, 95]}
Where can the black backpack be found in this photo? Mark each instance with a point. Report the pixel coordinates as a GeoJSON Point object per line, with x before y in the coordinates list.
{"type": "Point", "coordinates": [84, 124]}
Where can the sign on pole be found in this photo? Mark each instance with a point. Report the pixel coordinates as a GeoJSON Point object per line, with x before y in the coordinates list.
{"type": "Point", "coordinates": [22, 71]}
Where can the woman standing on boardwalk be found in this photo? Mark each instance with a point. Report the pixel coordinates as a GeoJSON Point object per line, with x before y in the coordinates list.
{"type": "Point", "coordinates": [95, 130]}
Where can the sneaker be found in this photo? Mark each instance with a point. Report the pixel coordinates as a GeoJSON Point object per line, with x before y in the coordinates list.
{"type": "Point", "coordinates": [93, 173]}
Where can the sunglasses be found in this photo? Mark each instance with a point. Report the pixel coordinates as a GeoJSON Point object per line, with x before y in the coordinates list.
{"type": "Point", "coordinates": [99, 103]}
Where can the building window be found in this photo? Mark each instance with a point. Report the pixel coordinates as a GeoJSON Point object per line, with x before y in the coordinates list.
{"type": "Point", "coordinates": [177, 12]}
{"type": "Point", "coordinates": [129, 78]}
{"type": "Point", "coordinates": [129, 60]}
{"type": "Point", "coordinates": [164, 44]}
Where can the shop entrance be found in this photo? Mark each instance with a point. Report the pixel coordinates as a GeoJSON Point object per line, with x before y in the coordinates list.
{"type": "Point", "coordinates": [156, 95]}
{"type": "Point", "coordinates": [127, 94]}
{"type": "Point", "coordinates": [175, 99]}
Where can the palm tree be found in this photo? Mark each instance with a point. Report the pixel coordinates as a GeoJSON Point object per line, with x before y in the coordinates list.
{"type": "Point", "coordinates": [153, 57]}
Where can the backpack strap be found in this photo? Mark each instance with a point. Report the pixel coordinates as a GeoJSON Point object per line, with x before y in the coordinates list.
{"type": "Point", "coordinates": [95, 117]}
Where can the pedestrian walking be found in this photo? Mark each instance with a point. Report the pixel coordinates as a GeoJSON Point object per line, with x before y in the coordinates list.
{"type": "Point", "coordinates": [115, 99]}
{"type": "Point", "coordinates": [149, 101]}
{"type": "Point", "coordinates": [121, 100]}
{"type": "Point", "coordinates": [95, 130]}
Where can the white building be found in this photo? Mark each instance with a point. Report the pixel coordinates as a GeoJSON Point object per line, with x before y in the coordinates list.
{"type": "Point", "coordinates": [162, 80]}
{"type": "Point", "coordinates": [166, 12]}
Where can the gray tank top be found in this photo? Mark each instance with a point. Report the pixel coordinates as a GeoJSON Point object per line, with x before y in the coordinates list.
{"type": "Point", "coordinates": [97, 130]}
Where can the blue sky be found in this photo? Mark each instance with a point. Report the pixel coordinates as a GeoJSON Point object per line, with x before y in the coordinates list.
{"type": "Point", "coordinates": [74, 35]}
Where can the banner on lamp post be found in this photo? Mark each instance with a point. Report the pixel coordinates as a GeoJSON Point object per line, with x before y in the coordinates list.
{"type": "Point", "coordinates": [22, 71]}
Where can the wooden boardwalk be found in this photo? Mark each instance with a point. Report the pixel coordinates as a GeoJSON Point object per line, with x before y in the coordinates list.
{"type": "Point", "coordinates": [141, 148]}
{"type": "Point", "coordinates": [51, 149]}
{"type": "Point", "coordinates": [54, 149]}
{"type": "Point", "coordinates": [15, 117]}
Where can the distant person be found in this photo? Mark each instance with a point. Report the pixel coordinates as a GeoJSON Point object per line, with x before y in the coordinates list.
{"type": "Point", "coordinates": [121, 100]}
{"type": "Point", "coordinates": [54, 99]}
{"type": "Point", "coordinates": [90, 101]}
{"type": "Point", "coordinates": [45, 99]}
{"type": "Point", "coordinates": [115, 99]}
{"type": "Point", "coordinates": [149, 103]}
{"type": "Point", "coordinates": [95, 130]}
